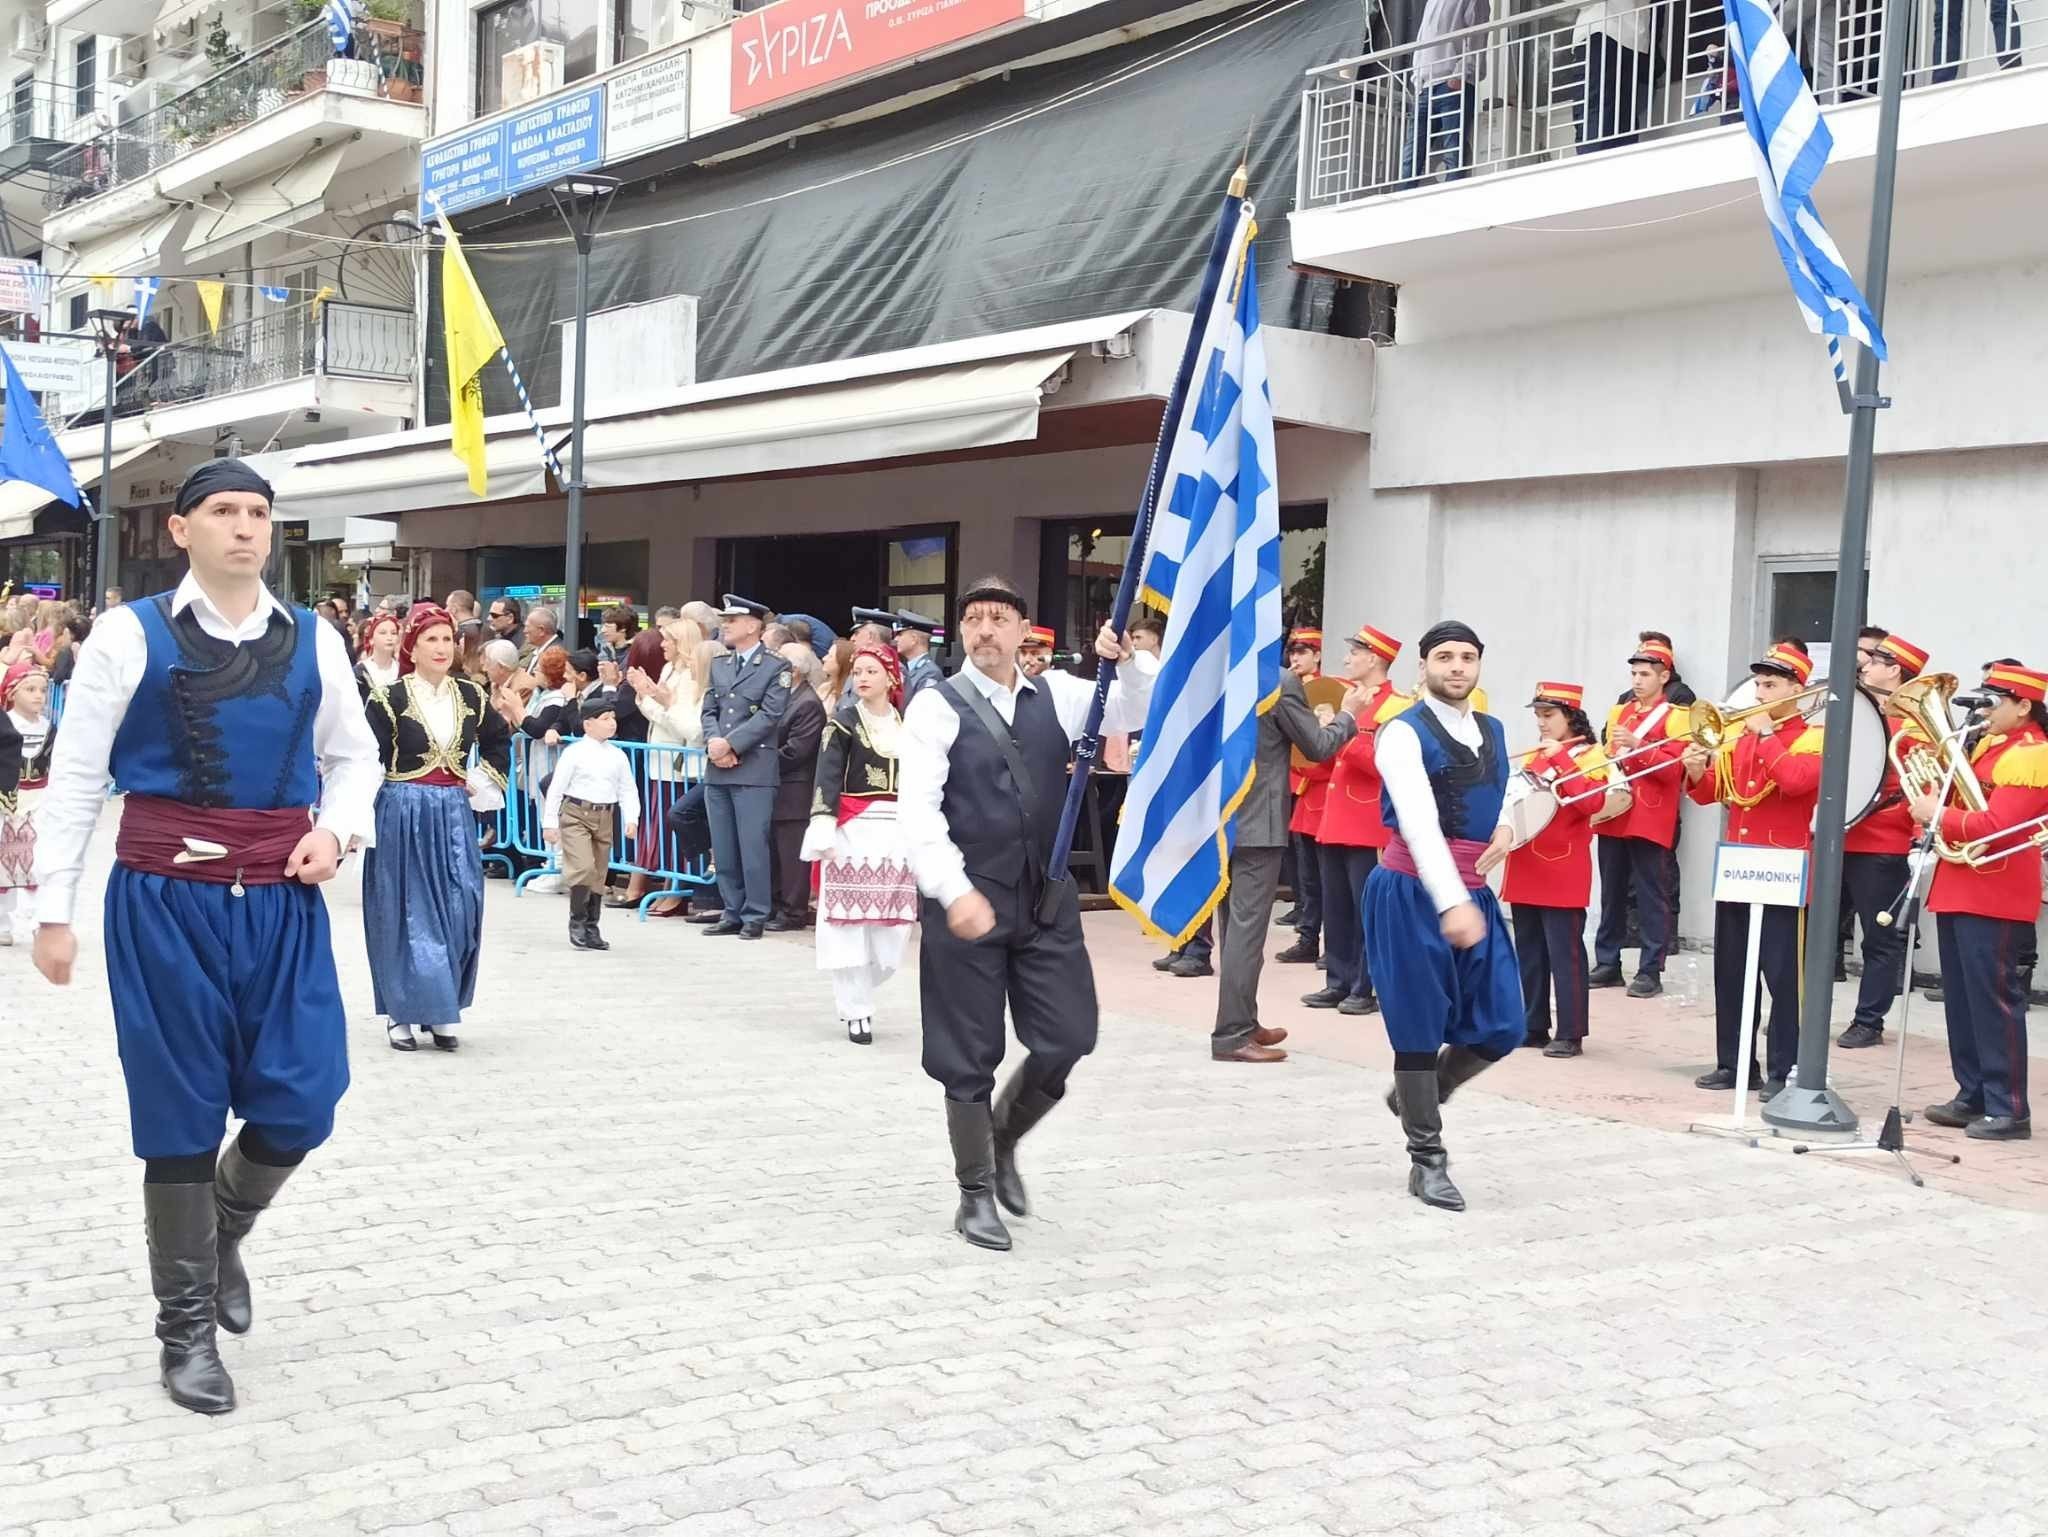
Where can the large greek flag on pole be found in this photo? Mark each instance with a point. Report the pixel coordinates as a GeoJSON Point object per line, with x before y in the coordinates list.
{"type": "Point", "coordinates": [1792, 145]}
{"type": "Point", "coordinates": [1213, 562]}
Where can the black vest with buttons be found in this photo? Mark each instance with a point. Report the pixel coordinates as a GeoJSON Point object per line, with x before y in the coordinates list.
{"type": "Point", "coordinates": [1004, 834]}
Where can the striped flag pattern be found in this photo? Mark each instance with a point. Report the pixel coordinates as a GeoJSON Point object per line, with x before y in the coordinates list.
{"type": "Point", "coordinates": [1213, 562]}
{"type": "Point", "coordinates": [1792, 144]}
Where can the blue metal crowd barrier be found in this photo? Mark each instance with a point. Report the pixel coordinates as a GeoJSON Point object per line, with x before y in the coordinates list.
{"type": "Point", "coordinates": [663, 774]}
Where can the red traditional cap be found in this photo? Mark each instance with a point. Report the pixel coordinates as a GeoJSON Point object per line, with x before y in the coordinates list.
{"type": "Point", "coordinates": [419, 619]}
{"type": "Point", "coordinates": [1790, 660]}
{"type": "Point", "coordinates": [1655, 651]}
{"type": "Point", "coordinates": [18, 674]}
{"type": "Point", "coordinates": [1378, 642]}
{"type": "Point", "coordinates": [2020, 682]}
{"type": "Point", "coordinates": [885, 657]}
{"type": "Point", "coordinates": [1305, 636]}
{"type": "Point", "coordinates": [1911, 659]}
{"type": "Point", "coordinates": [1570, 696]}
{"type": "Point", "coordinates": [1039, 635]}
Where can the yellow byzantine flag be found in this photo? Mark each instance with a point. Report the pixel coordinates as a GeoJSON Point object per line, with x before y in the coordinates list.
{"type": "Point", "coordinates": [473, 340]}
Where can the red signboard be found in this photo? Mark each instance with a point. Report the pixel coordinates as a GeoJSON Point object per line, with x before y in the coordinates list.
{"type": "Point", "coordinates": [797, 46]}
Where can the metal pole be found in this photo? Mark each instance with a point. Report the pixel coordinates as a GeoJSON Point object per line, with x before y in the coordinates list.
{"type": "Point", "coordinates": [581, 201]}
{"type": "Point", "coordinates": [1808, 1103]}
{"type": "Point", "coordinates": [104, 525]}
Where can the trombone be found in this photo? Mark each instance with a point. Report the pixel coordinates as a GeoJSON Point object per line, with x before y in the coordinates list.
{"type": "Point", "coordinates": [1717, 727]}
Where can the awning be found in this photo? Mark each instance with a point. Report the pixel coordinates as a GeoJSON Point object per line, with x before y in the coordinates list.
{"type": "Point", "coordinates": [20, 501]}
{"type": "Point", "coordinates": [404, 476]}
{"type": "Point", "coordinates": [130, 252]}
{"type": "Point", "coordinates": [935, 411]}
{"type": "Point", "coordinates": [257, 207]}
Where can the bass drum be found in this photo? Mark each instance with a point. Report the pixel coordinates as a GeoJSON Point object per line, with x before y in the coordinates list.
{"type": "Point", "coordinates": [1869, 741]}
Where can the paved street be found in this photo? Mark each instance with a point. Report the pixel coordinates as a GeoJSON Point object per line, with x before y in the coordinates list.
{"type": "Point", "coordinates": [659, 1252]}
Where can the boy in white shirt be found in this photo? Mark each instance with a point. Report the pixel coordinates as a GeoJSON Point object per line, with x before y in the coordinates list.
{"type": "Point", "coordinates": [592, 781]}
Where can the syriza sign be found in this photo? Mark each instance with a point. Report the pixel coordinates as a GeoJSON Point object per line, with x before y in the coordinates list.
{"type": "Point", "coordinates": [797, 46]}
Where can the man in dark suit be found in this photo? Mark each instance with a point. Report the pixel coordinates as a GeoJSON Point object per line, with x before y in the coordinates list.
{"type": "Point", "coordinates": [743, 710]}
{"type": "Point", "coordinates": [1261, 821]}
{"type": "Point", "coordinates": [796, 752]}
{"type": "Point", "coordinates": [914, 636]}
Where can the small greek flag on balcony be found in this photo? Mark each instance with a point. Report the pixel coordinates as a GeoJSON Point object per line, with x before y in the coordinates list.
{"type": "Point", "coordinates": [341, 24]}
{"type": "Point", "coordinates": [1792, 145]}
{"type": "Point", "coordinates": [1213, 561]}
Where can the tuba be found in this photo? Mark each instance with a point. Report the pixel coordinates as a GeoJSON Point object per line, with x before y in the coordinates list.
{"type": "Point", "coordinates": [1932, 751]}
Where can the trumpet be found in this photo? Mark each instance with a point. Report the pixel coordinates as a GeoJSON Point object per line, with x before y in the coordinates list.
{"type": "Point", "coordinates": [1715, 728]}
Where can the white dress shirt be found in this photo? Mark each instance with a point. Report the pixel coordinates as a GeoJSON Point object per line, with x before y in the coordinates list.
{"type": "Point", "coordinates": [380, 674]}
{"type": "Point", "coordinates": [110, 668]}
{"type": "Point", "coordinates": [930, 727]}
{"type": "Point", "coordinates": [590, 770]}
{"type": "Point", "coordinates": [1397, 752]}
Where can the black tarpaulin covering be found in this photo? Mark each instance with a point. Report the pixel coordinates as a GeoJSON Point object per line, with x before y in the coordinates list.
{"type": "Point", "coordinates": [1100, 205]}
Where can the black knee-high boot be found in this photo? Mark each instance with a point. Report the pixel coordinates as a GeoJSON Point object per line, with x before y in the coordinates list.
{"type": "Point", "coordinates": [1017, 1109]}
{"type": "Point", "coordinates": [242, 1192]}
{"type": "Point", "coordinates": [1429, 1178]}
{"type": "Point", "coordinates": [968, 1127]}
{"type": "Point", "coordinates": [184, 1273]}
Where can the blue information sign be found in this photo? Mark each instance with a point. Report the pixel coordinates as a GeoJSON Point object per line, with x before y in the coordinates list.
{"type": "Point", "coordinates": [512, 154]}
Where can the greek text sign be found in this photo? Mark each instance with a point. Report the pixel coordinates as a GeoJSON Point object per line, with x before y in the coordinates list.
{"type": "Point", "coordinates": [796, 46]}
{"type": "Point", "coordinates": [1772, 877]}
{"type": "Point", "coordinates": [647, 106]}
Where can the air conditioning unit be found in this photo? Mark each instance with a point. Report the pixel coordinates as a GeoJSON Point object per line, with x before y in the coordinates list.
{"type": "Point", "coordinates": [132, 62]}
{"type": "Point", "coordinates": [31, 38]}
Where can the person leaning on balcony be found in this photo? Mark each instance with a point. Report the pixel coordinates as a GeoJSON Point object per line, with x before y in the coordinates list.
{"type": "Point", "coordinates": [1618, 51]}
{"type": "Point", "coordinates": [1446, 89]}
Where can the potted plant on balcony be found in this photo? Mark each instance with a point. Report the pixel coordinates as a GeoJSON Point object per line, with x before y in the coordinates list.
{"type": "Point", "coordinates": [304, 13]}
{"type": "Point", "coordinates": [397, 47]}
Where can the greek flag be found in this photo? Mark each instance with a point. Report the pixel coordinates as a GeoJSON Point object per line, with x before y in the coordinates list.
{"type": "Point", "coordinates": [341, 24]}
{"type": "Point", "coordinates": [1792, 145]}
{"type": "Point", "coordinates": [1213, 562]}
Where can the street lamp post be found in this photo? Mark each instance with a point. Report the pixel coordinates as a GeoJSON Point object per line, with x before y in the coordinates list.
{"type": "Point", "coordinates": [581, 201]}
{"type": "Point", "coordinates": [107, 326]}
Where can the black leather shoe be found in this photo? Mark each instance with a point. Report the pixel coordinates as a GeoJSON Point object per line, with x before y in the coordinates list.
{"type": "Point", "coordinates": [782, 923]}
{"type": "Point", "coordinates": [1165, 962]}
{"type": "Point", "coordinates": [1017, 1109]}
{"type": "Point", "coordinates": [1861, 1035]}
{"type": "Point", "coordinates": [1429, 1177]}
{"type": "Point", "coordinates": [1359, 1003]}
{"type": "Point", "coordinates": [2001, 1128]}
{"type": "Point", "coordinates": [1724, 1078]}
{"type": "Point", "coordinates": [1564, 1049]}
{"type": "Point", "coordinates": [242, 1192]}
{"type": "Point", "coordinates": [1772, 1088]}
{"type": "Point", "coordinates": [1955, 1114]}
{"type": "Point", "coordinates": [712, 915]}
{"type": "Point", "coordinates": [1647, 984]}
{"type": "Point", "coordinates": [1191, 966]}
{"type": "Point", "coordinates": [445, 1040]}
{"type": "Point", "coordinates": [970, 1128]}
{"type": "Point", "coordinates": [1324, 997]}
{"type": "Point", "coordinates": [1302, 952]}
{"type": "Point", "coordinates": [752, 930]}
{"type": "Point", "coordinates": [722, 927]}
{"type": "Point", "coordinates": [1604, 976]}
{"type": "Point", "coordinates": [184, 1274]}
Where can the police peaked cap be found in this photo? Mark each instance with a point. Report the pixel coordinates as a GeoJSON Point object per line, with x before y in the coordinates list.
{"type": "Point", "coordinates": [905, 620]}
{"type": "Point", "coordinates": [733, 606]}
{"type": "Point", "coordinates": [880, 616]}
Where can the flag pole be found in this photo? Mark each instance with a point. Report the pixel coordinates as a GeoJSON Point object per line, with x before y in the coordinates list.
{"type": "Point", "coordinates": [1808, 1103]}
{"type": "Point", "coordinates": [1089, 747]}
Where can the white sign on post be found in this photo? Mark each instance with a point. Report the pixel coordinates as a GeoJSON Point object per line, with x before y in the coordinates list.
{"type": "Point", "coordinates": [1762, 877]}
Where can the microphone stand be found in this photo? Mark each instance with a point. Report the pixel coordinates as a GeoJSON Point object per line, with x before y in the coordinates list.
{"type": "Point", "coordinates": [1891, 1138]}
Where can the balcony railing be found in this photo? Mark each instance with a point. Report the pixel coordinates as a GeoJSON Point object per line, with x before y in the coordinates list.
{"type": "Point", "coordinates": [241, 94]}
{"type": "Point", "coordinates": [334, 339]}
{"type": "Point", "coordinates": [1575, 78]}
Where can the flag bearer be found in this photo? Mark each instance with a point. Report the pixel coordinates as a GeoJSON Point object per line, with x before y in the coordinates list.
{"type": "Point", "coordinates": [1769, 778]}
{"type": "Point", "coordinates": [217, 948]}
{"type": "Point", "coordinates": [1985, 917]}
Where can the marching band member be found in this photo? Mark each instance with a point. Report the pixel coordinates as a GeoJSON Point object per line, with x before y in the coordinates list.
{"type": "Point", "coordinates": [1769, 779]}
{"type": "Point", "coordinates": [1441, 958]}
{"type": "Point", "coordinates": [1035, 655]}
{"type": "Point", "coordinates": [1549, 880]}
{"type": "Point", "coordinates": [1636, 849]}
{"type": "Point", "coordinates": [1352, 834]}
{"type": "Point", "coordinates": [1874, 855]}
{"type": "Point", "coordinates": [1984, 916]}
{"type": "Point", "coordinates": [1305, 661]}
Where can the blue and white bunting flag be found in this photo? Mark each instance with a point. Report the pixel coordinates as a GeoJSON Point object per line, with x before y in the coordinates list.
{"type": "Point", "coordinates": [1792, 145]}
{"type": "Point", "coordinates": [276, 294]}
{"type": "Point", "coordinates": [145, 296]}
{"type": "Point", "coordinates": [1213, 563]}
{"type": "Point", "coordinates": [341, 23]}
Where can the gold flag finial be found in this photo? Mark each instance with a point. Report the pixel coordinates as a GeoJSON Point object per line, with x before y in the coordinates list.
{"type": "Point", "coordinates": [1240, 180]}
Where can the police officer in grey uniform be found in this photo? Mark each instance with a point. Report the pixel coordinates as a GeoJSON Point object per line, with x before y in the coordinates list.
{"type": "Point", "coordinates": [915, 636]}
{"type": "Point", "coordinates": [743, 707]}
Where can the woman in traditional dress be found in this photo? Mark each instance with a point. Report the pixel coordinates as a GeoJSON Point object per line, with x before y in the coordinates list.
{"type": "Point", "coordinates": [867, 897]}
{"type": "Point", "coordinates": [379, 667]}
{"type": "Point", "coordinates": [27, 735]}
{"type": "Point", "coordinates": [423, 880]}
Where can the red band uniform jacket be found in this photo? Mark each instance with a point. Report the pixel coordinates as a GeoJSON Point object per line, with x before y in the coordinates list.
{"type": "Point", "coordinates": [1654, 814]}
{"type": "Point", "coordinates": [1769, 785]}
{"type": "Point", "coordinates": [2014, 773]}
{"type": "Point", "coordinates": [1555, 868]}
{"type": "Point", "coordinates": [1351, 809]}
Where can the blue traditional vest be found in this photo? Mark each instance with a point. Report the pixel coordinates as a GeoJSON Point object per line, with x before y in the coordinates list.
{"type": "Point", "coordinates": [1003, 833]}
{"type": "Point", "coordinates": [1468, 785]}
{"type": "Point", "coordinates": [217, 724]}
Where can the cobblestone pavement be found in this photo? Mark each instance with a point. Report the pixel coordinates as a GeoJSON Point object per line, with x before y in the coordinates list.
{"type": "Point", "coordinates": [659, 1252]}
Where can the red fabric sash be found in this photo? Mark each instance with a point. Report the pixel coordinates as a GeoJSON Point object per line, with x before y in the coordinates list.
{"type": "Point", "coordinates": [851, 807]}
{"type": "Point", "coordinates": [1398, 857]}
{"type": "Point", "coordinates": [259, 843]}
{"type": "Point", "coordinates": [440, 776]}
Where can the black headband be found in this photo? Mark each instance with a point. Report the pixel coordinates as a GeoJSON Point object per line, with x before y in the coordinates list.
{"type": "Point", "coordinates": [994, 590]}
{"type": "Point", "coordinates": [217, 475]}
{"type": "Point", "coordinates": [1449, 629]}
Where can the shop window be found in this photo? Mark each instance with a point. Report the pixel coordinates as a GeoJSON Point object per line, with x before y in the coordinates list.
{"type": "Point", "coordinates": [527, 48]}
